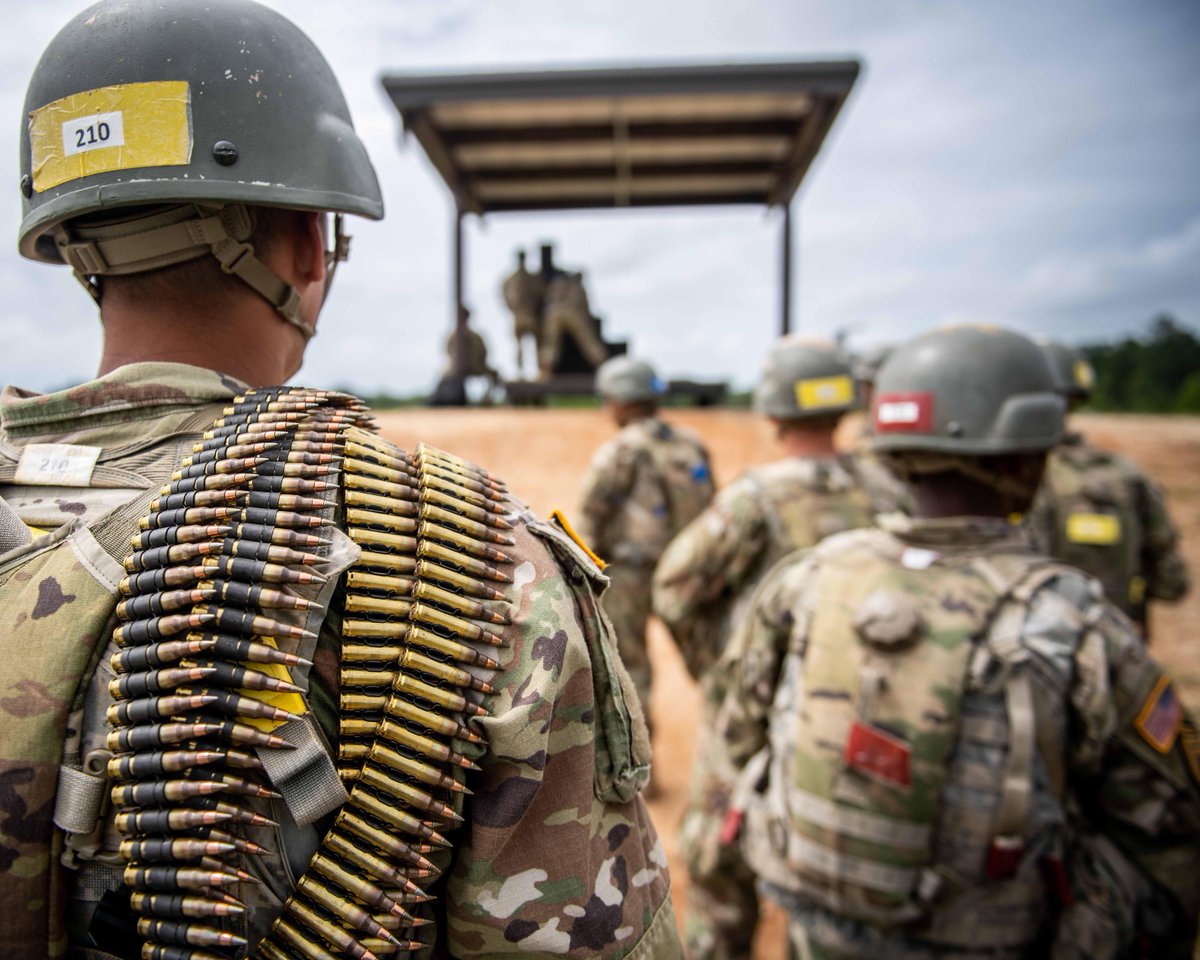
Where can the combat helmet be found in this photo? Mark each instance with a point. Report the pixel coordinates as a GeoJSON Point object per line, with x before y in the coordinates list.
{"type": "Point", "coordinates": [805, 378]}
{"type": "Point", "coordinates": [152, 128]}
{"type": "Point", "coordinates": [626, 380]}
{"type": "Point", "coordinates": [1075, 374]}
{"type": "Point", "coordinates": [970, 391]}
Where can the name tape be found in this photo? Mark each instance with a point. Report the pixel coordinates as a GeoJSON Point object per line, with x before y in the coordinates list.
{"type": "Point", "coordinates": [821, 393]}
{"type": "Point", "coordinates": [56, 465]}
{"type": "Point", "coordinates": [904, 411]}
{"type": "Point", "coordinates": [120, 127]}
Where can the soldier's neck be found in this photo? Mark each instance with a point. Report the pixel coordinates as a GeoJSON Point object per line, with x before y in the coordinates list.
{"type": "Point", "coordinates": [801, 442]}
{"type": "Point", "coordinates": [246, 340]}
{"type": "Point", "coordinates": [951, 495]}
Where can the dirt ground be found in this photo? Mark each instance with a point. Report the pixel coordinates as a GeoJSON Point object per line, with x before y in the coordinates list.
{"type": "Point", "coordinates": [542, 455]}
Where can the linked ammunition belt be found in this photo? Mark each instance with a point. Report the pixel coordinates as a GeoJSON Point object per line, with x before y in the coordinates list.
{"type": "Point", "coordinates": [211, 620]}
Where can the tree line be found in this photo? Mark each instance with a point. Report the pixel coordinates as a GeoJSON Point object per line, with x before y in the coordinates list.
{"type": "Point", "coordinates": [1155, 373]}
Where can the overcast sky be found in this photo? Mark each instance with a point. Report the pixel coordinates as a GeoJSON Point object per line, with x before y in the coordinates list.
{"type": "Point", "coordinates": [1022, 163]}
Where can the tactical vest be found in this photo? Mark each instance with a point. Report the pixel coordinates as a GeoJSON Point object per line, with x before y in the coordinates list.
{"type": "Point", "coordinates": [799, 509]}
{"type": "Point", "coordinates": [670, 483]}
{"type": "Point", "coordinates": [209, 736]}
{"type": "Point", "coordinates": [681, 465]}
{"type": "Point", "coordinates": [901, 767]}
{"type": "Point", "coordinates": [1097, 522]}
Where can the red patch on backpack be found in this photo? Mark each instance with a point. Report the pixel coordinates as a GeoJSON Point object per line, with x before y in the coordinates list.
{"type": "Point", "coordinates": [878, 755]}
{"type": "Point", "coordinates": [903, 412]}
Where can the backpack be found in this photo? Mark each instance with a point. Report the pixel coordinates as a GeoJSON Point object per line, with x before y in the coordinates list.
{"type": "Point", "coordinates": [681, 465]}
{"type": "Point", "coordinates": [869, 716]}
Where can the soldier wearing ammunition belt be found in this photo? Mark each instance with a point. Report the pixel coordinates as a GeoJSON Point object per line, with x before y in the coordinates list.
{"type": "Point", "coordinates": [947, 745]}
{"type": "Point", "coordinates": [253, 656]}
{"type": "Point", "coordinates": [641, 488]}
{"type": "Point", "coordinates": [704, 583]}
{"type": "Point", "coordinates": [1099, 511]}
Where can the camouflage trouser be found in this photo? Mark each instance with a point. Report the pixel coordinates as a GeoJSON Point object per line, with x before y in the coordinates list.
{"type": "Point", "coordinates": [722, 905]}
{"type": "Point", "coordinates": [579, 327]}
{"type": "Point", "coordinates": [627, 602]}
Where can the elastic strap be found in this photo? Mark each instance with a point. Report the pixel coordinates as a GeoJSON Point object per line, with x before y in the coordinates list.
{"type": "Point", "coordinates": [176, 235]}
{"type": "Point", "coordinates": [305, 775]}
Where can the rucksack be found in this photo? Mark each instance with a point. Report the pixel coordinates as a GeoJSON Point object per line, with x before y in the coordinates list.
{"type": "Point", "coordinates": [868, 715]}
{"type": "Point", "coordinates": [682, 466]}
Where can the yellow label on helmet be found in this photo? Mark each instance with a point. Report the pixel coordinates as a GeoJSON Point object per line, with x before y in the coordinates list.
{"type": "Point", "coordinates": [1085, 376]}
{"type": "Point", "coordinates": [1094, 528]}
{"type": "Point", "coordinates": [111, 128]}
{"type": "Point", "coordinates": [824, 392]}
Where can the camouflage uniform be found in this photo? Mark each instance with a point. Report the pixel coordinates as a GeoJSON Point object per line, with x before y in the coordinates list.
{"type": "Point", "coordinates": [844, 636]}
{"type": "Point", "coordinates": [702, 587]}
{"type": "Point", "coordinates": [1098, 511]}
{"type": "Point", "coordinates": [945, 744]}
{"type": "Point", "coordinates": [557, 855]}
{"type": "Point", "coordinates": [626, 518]}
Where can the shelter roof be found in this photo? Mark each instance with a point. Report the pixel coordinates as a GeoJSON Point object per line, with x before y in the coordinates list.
{"type": "Point", "coordinates": [625, 137]}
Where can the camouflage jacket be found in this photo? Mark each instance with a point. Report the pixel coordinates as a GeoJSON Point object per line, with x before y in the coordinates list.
{"type": "Point", "coordinates": [557, 855]}
{"type": "Point", "coordinates": [1103, 727]}
{"type": "Point", "coordinates": [629, 497]}
{"type": "Point", "coordinates": [708, 573]}
{"type": "Point", "coordinates": [1098, 511]}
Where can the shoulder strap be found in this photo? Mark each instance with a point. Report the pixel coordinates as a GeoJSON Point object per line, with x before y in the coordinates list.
{"type": "Point", "coordinates": [1003, 647]}
{"type": "Point", "coordinates": [767, 506]}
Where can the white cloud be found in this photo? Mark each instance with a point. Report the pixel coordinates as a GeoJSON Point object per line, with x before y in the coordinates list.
{"type": "Point", "coordinates": [1022, 163]}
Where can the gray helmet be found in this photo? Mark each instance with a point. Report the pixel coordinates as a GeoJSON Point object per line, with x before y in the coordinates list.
{"type": "Point", "coordinates": [190, 112]}
{"type": "Point", "coordinates": [1075, 374]}
{"type": "Point", "coordinates": [969, 390]}
{"type": "Point", "coordinates": [805, 378]}
{"type": "Point", "coordinates": [626, 380]}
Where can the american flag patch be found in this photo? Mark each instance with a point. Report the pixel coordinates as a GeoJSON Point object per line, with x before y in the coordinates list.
{"type": "Point", "coordinates": [1160, 717]}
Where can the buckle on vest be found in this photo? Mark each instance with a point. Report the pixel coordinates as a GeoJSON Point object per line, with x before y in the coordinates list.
{"type": "Point", "coordinates": [1004, 856]}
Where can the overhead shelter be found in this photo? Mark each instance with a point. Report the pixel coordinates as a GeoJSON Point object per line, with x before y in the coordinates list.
{"type": "Point", "coordinates": [626, 137]}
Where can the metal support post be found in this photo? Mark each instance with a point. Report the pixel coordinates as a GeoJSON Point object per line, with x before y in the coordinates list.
{"type": "Point", "coordinates": [785, 293]}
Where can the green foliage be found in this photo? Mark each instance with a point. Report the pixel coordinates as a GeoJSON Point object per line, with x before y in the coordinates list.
{"type": "Point", "coordinates": [1158, 373]}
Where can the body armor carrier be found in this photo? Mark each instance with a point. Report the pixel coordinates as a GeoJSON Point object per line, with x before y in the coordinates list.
{"type": "Point", "coordinates": [208, 720]}
{"type": "Point", "coordinates": [904, 782]}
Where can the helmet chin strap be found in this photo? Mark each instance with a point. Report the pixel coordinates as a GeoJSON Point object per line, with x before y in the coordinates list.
{"type": "Point", "coordinates": [164, 237]}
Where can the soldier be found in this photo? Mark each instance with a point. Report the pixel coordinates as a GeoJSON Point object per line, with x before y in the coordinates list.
{"type": "Point", "coordinates": [523, 294]}
{"type": "Point", "coordinates": [477, 356]}
{"type": "Point", "coordinates": [567, 313]}
{"type": "Point", "coordinates": [641, 488]}
{"type": "Point", "coordinates": [947, 744]}
{"type": "Point", "coordinates": [1098, 511]}
{"type": "Point", "coordinates": [256, 655]}
{"type": "Point", "coordinates": [704, 582]}
{"type": "Point", "coordinates": [888, 493]}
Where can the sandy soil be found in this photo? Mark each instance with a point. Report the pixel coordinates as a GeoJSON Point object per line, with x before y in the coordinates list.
{"type": "Point", "coordinates": [542, 454]}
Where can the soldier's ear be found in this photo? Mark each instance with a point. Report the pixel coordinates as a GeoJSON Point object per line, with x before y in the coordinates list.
{"type": "Point", "coordinates": [308, 248]}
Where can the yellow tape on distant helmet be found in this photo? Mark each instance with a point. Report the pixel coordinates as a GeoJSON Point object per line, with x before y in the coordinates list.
{"type": "Point", "coordinates": [825, 392]}
{"type": "Point", "coordinates": [1094, 528]}
{"type": "Point", "coordinates": [111, 128]}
